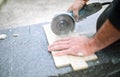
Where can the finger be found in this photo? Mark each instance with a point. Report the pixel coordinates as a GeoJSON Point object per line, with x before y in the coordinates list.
{"type": "Point", "coordinates": [67, 52]}
{"type": "Point", "coordinates": [61, 43]}
{"type": "Point", "coordinates": [64, 39]}
{"type": "Point", "coordinates": [61, 53]}
{"type": "Point", "coordinates": [70, 8]}
{"type": "Point", "coordinates": [58, 47]}
{"type": "Point", "coordinates": [75, 12]}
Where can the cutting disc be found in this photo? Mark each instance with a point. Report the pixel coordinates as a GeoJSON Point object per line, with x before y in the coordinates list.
{"type": "Point", "coordinates": [62, 24]}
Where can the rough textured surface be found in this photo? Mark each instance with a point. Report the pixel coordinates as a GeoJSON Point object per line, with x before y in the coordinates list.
{"type": "Point", "coordinates": [27, 56]}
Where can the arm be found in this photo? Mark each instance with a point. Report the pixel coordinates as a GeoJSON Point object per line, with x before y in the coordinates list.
{"type": "Point", "coordinates": [107, 35]}
{"type": "Point", "coordinates": [85, 46]}
{"type": "Point", "coordinates": [110, 31]}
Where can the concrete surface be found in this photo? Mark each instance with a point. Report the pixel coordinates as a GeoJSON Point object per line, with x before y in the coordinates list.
{"type": "Point", "coordinates": [14, 13]}
{"type": "Point", "coordinates": [27, 56]}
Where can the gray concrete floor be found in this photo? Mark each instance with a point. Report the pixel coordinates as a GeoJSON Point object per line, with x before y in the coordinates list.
{"type": "Point", "coordinates": [14, 13]}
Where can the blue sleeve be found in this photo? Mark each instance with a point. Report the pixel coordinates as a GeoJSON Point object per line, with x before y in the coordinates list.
{"type": "Point", "coordinates": [114, 15]}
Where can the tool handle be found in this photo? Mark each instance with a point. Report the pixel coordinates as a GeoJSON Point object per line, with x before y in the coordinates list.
{"type": "Point", "coordinates": [89, 9]}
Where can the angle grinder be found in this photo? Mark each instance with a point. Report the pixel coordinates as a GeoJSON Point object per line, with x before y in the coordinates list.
{"type": "Point", "coordinates": [64, 23]}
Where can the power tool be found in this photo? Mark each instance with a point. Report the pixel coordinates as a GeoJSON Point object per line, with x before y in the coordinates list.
{"type": "Point", "coordinates": [64, 23]}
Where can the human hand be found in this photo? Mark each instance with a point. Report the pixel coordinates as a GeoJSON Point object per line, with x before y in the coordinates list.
{"type": "Point", "coordinates": [76, 6]}
{"type": "Point", "coordinates": [79, 46]}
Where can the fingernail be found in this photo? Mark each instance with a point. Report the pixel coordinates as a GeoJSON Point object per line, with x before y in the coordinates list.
{"type": "Point", "coordinates": [49, 49]}
{"type": "Point", "coordinates": [80, 54]}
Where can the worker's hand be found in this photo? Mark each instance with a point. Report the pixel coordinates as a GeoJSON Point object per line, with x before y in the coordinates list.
{"type": "Point", "coordinates": [72, 46]}
{"type": "Point", "coordinates": [76, 6]}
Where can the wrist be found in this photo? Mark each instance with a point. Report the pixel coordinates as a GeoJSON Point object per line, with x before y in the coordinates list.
{"type": "Point", "coordinates": [93, 45]}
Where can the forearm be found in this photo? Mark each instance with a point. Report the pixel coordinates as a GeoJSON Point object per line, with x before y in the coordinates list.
{"type": "Point", "coordinates": [106, 35]}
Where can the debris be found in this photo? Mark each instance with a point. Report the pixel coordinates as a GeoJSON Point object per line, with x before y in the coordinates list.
{"type": "Point", "coordinates": [15, 35]}
{"type": "Point", "coordinates": [98, 62]}
{"type": "Point", "coordinates": [3, 36]}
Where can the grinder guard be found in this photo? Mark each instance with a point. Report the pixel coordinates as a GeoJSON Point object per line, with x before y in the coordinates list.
{"type": "Point", "coordinates": [63, 24]}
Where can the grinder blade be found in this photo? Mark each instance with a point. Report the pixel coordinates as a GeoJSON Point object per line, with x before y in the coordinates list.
{"type": "Point", "coordinates": [62, 24]}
